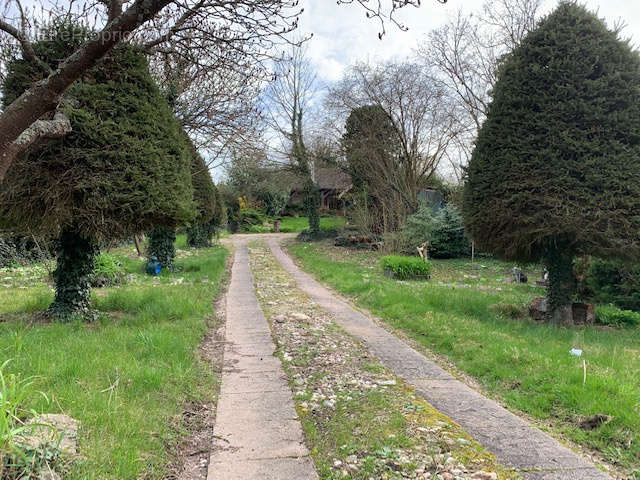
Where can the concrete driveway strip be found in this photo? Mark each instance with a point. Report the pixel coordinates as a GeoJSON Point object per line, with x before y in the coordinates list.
{"type": "Point", "coordinates": [257, 435]}
{"type": "Point", "coordinates": [514, 442]}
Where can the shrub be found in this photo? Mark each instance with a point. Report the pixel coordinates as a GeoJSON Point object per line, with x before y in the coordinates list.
{"type": "Point", "coordinates": [444, 230]}
{"type": "Point", "coordinates": [614, 316]}
{"type": "Point", "coordinates": [259, 229]}
{"type": "Point", "coordinates": [274, 202]}
{"type": "Point", "coordinates": [405, 267]}
{"type": "Point", "coordinates": [615, 282]}
{"type": "Point", "coordinates": [248, 217]}
{"type": "Point", "coordinates": [108, 271]}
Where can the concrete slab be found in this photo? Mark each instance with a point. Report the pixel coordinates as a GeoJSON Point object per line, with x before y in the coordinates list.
{"type": "Point", "coordinates": [275, 405]}
{"type": "Point", "coordinates": [264, 469]}
{"type": "Point", "coordinates": [254, 381]}
{"type": "Point", "coordinates": [580, 474]}
{"type": "Point", "coordinates": [257, 435]}
{"type": "Point", "coordinates": [248, 439]}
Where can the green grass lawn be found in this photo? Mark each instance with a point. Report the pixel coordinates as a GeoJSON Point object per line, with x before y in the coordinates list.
{"type": "Point", "coordinates": [298, 224]}
{"type": "Point", "coordinates": [146, 337]}
{"type": "Point", "coordinates": [525, 364]}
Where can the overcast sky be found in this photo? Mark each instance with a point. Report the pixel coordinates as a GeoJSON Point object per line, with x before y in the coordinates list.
{"type": "Point", "coordinates": [343, 35]}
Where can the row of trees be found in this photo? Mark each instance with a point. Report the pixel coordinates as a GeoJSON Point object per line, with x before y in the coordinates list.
{"type": "Point", "coordinates": [93, 150]}
{"type": "Point", "coordinates": [127, 166]}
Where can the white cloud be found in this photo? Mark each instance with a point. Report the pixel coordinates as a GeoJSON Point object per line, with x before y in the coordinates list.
{"type": "Point", "coordinates": [342, 34]}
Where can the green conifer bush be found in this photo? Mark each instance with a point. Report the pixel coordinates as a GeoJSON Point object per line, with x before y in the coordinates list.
{"type": "Point", "coordinates": [556, 168]}
{"type": "Point", "coordinates": [122, 170]}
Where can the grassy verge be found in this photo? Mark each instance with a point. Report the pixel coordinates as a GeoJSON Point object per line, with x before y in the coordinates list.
{"type": "Point", "coordinates": [360, 421]}
{"type": "Point", "coordinates": [144, 346]}
{"type": "Point", "coordinates": [298, 224]}
{"type": "Point", "coordinates": [527, 365]}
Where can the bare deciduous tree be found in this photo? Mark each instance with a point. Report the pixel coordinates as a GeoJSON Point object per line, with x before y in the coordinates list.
{"type": "Point", "coordinates": [247, 27]}
{"type": "Point", "coordinates": [419, 113]}
{"type": "Point", "coordinates": [466, 52]}
{"type": "Point", "coordinates": [289, 99]}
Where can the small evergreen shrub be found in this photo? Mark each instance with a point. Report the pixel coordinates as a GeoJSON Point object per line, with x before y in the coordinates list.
{"type": "Point", "coordinates": [405, 267]}
{"type": "Point", "coordinates": [248, 217]}
{"type": "Point", "coordinates": [611, 315]}
{"type": "Point", "coordinates": [443, 229]}
{"type": "Point", "coordinates": [108, 271]}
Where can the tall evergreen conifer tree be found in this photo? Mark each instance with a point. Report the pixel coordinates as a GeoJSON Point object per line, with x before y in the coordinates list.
{"type": "Point", "coordinates": [556, 168]}
{"type": "Point", "coordinates": [201, 230]}
{"type": "Point", "coordinates": [123, 169]}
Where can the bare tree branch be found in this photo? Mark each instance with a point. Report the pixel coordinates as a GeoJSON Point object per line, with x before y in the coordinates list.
{"type": "Point", "coordinates": [27, 48]}
{"type": "Point", "coordinates": [248, 28]}
{"type": "Point", "coordinates": [377, 9]}
{"type": "Point", "coordinates": [466, 53]}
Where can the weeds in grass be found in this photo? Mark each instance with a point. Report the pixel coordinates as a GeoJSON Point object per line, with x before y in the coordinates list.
{"type": "Point", "coordinates": [149, 330]}
{"type": "Point", "coordinates": [18, 460]}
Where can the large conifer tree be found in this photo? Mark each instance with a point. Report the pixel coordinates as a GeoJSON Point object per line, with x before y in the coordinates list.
{"type": "Point", "coordinates": [122, 170]}
{"type": "Point", "coordinates": [556, 168]}
{"type": "Point", "coordinates": [371, 148]}
{"type": "Point", "coordinates": [201, 230]}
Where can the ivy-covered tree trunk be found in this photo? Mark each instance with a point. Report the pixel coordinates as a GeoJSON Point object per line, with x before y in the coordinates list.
{"type": "Point", "coordinates": [162, 246]}
{"type": "Point", "coordinates": [312, 206]}
{"type": "Point", "coordinates": [75, 263]}
{"type": "Point", "coordinates": [199, 236]}
{"type": "Point", "coordinates": [562, 285]}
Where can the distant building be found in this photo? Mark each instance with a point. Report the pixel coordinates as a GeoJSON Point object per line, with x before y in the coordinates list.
{"type": "Point", "coordinates": [333, 184]}
{"type": "Point", "coordinates": [431, 197]}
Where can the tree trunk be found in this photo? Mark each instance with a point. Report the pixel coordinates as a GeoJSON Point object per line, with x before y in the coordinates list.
{"type": "Point", "coordinates": [311, 203]}
{"type": "Point", "coordinates": [137, 244]}
{"type": "Point", "coordinates": [199, 235]}
{"type": "Point", "coordinates": [75, 263]}
{"type": "Point", "coordinates": [562, 285]}
{"type": "Point", "coordinates": [162, 246]}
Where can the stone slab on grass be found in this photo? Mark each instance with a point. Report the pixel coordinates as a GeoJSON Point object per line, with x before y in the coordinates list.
{"type": "Point", "coordinates": [257, 435]}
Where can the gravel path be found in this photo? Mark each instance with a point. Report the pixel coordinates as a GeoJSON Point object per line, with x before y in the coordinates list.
{"type": "Point", "coordinates": [257, 433]}
{"type": "Point", "coordinates": [516, 444]}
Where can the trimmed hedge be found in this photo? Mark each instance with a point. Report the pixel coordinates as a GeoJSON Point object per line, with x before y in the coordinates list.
{"type": "Point", "coordinates": [405, 267]}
